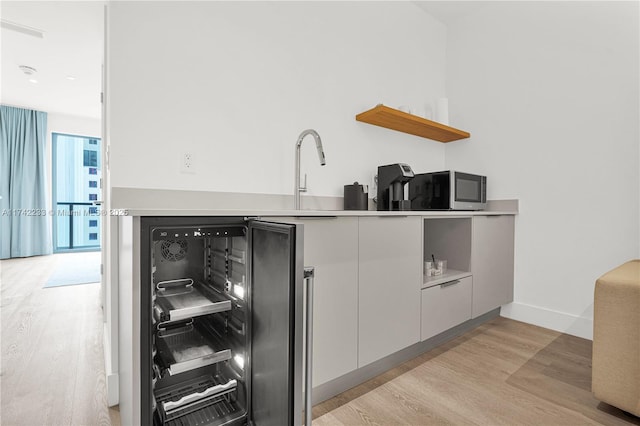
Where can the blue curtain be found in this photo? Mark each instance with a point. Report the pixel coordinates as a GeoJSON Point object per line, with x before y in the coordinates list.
{"type": "Point", "coordinates": [24, 221]}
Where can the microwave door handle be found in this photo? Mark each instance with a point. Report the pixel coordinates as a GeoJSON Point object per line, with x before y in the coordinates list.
{"type": "Point", "coordinates": [452, 190]}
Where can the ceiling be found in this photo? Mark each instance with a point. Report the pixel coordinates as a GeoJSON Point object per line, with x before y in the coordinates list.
{"type": "Point", "coordinates": [71, 47]}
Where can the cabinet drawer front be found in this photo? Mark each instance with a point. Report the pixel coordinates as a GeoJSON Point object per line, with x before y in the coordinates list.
{"type": "Point", "coordinates": [445, 306]}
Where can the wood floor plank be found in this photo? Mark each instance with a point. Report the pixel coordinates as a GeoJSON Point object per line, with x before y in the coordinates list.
{"type": "Point", "coordinates": [52, 365]}
{"type": "Point", "coordinates": [501, 373]}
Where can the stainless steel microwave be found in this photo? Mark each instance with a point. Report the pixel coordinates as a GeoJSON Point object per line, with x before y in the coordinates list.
{"type": "Point", "coordinates": [448, 190]}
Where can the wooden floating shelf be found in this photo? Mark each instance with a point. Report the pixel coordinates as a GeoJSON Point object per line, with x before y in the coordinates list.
{"type": "Point", "coordinates": [401, 121]}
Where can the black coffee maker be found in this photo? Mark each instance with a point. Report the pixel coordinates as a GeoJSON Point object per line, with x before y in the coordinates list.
{"type": "Point", "coordinates": [391, 181]}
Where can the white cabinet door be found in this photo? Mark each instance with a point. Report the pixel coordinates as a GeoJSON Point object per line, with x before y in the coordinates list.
{"type": "Point", "coordinates": [331, 245]}
{"type": "Point", "coordinates": [444, 306]}
{"type": "Point", "coordinates": [390, 278]}
{"type": "Point", "coordinates": [492, 262]}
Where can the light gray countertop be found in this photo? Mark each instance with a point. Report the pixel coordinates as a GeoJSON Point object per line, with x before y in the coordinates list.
{"type": "Point", "coordinates": [307, 213]}
{"type": "Point", "coordinates": [154, 202]}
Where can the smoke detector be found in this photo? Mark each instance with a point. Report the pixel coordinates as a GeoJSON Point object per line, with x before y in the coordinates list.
{"type": "Point", "coordinates": [27, 69]}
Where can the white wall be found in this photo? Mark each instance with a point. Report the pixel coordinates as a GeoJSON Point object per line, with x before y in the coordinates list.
{"type": "Point", "coordinates": [73, 125]}
{"type": "Point", "coordinates": [549, 92]}
{"type": "Point", "coordinates": [235, 84]}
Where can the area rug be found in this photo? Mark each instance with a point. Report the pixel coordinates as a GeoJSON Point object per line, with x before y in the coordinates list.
{"type": "Point", "coordinates": [75, 268]}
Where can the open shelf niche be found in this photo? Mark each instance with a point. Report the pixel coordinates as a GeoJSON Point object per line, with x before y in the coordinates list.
{"type": "Point", "coordinates": [448, 239]}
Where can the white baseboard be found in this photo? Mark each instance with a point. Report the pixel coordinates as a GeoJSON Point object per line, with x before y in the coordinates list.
{"type": "Point", "coordinates": [112, 379]}
{"type": "Point", "coordinates": [113, 396]}
{"type": "Point", "coordinates": [554, 320]}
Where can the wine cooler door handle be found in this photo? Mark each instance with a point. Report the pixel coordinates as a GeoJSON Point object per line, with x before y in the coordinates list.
{"type": "Point", "coordinates": [309, 272]}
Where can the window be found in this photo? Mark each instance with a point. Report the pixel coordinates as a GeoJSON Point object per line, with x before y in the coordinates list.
{"type": "Point", "coordinates": [76, 179]}
{"type": "Point", "coordinates": [93, 236]}
{"type": "Point", "coordinates": [90, 158]}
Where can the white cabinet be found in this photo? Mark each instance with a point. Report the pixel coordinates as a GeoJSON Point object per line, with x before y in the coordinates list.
{"type": "Point", "coordinates": [371, 299]}
{"type": "Point", "coordinates": [390, 278]}
{"type": "Point", "coordinates": [331, 245]}
{"type": "Point", "coordinates": [444, 306]}
{"type": "Point", "coordinates": [492, 262]}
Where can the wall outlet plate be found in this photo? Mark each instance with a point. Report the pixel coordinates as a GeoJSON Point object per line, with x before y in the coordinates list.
{"type": "Point", "coordinates": [187, 163]}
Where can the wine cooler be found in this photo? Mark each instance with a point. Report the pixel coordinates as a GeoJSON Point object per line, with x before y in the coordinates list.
{"type": "Point", "coordinates": [221, 322]}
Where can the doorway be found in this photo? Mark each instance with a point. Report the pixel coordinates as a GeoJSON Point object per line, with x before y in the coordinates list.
{"type": "Point", "coordinates": [77, 193]}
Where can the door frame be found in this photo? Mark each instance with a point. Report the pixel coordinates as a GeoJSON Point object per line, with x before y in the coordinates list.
{"type": "Point", "coordinates": [110, 230]}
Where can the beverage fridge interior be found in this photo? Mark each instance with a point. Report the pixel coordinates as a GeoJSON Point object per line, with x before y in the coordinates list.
{"type": "Point", "coordinates": [221, 322]}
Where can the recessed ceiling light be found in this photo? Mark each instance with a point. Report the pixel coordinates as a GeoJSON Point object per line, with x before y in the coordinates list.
{"type": "Point", "coordinates": [71, 78]}
{"type": "Point", "coordinates": [33, 80]}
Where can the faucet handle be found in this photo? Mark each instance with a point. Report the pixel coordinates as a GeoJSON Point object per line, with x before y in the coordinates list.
{"type": "Point", "coordinates": [303, 187]}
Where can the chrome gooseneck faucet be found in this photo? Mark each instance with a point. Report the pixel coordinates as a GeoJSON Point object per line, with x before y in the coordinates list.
{"type": "Point", "coordinates": [297, 188]}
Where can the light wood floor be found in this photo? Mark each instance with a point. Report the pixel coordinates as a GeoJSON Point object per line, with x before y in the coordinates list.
{"type": "Point", "coordinates": [502, 373]}
{"type": "Point", "coordinates": [52, 365]}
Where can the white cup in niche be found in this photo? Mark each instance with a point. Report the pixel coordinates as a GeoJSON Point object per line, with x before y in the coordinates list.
{"type": "Point", "coordinates": [428, 269]}
{"type": "Point", "coordinates": [424, 111]}
{"type": "Point", "coordinates": [433, 269]}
